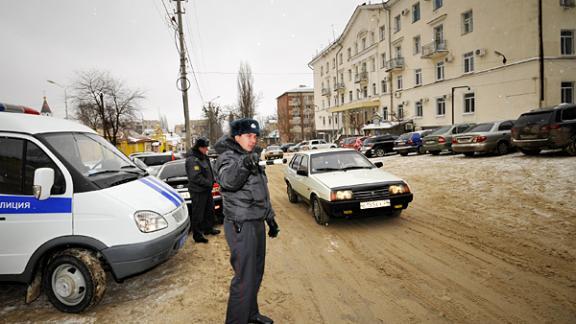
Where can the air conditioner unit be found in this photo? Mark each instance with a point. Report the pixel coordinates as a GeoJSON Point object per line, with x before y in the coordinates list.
{"type": "Point", "coordinates": [480, 52]}
{"type": "Point", "coordinates": [405, 12]}
{"type": "Point", "coordinates": [449, 58]}
{"type": "Point", "coordinates": [567, 3]}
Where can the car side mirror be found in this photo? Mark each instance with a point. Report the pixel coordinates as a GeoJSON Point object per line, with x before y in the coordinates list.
{"type": "Point", "coordinates": [379, 164]}
{"type": "Point", "coordinates": [302, 172]}
{"type": "Point", "coordinates": [43, 182]}
{"type": "Point", "coordinates": [140, 164]}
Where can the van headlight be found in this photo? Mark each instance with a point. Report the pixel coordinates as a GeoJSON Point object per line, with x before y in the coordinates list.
{"type": "Point", "coordinates": [341, 195]}
{"type": "Point", "coordinates": [398, 189]}
{"type": "Point", "coordinates": [149, 221]}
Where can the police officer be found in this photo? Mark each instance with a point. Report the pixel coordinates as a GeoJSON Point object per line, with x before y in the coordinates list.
{"type": "Point", "coordinates": [246, 199]}
{"type": "Point", "coordinates": [200, 182]}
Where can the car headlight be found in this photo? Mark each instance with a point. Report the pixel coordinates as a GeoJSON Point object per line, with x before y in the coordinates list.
{"type": "Point", "coordinates": [149, 221]}
{"type": "Point", "coordinates": [341, 195]}
{"type": "Point", "coordinates": [398, 189]}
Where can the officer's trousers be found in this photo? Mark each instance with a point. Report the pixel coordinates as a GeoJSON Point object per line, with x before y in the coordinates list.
{"type": "Point", "coordinates": [202, 212]}
{"type": "Point", "coordinates": [247, 256]}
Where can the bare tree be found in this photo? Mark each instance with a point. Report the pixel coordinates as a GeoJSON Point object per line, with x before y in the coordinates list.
{"type": "Point", "coordinates": [105, 103]}
{"type": "Point", "coordinates": [247, 100]}
{"type": "Point", "coordinates": [215, 117]}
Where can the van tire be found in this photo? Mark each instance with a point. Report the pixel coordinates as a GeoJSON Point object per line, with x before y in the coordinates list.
{"type": "Point", "coordinates": [571, 148]}
{"type": "Point", "coordinates": [379, 152]}
{"type": "Point", "coordinates": [74, 280]}
{"type": "Point", "coordinates": [530, 152]}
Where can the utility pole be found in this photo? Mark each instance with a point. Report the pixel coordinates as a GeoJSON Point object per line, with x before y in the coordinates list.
{"type": "Point", "coordinates": [184, 83]}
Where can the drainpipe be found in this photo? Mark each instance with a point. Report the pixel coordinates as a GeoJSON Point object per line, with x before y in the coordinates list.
{"type": "Point", "coordinates": [338, 52]}
{"type": "Point", "coordinates": [541, 52]}
{"type": "Point", "coordinates": [391, 109]}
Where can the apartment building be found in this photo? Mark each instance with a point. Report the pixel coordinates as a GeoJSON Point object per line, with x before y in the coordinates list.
{"type": "Point", "coordinates": [295, 110]}
{"type": "Point", "coordinates": [416, 61]}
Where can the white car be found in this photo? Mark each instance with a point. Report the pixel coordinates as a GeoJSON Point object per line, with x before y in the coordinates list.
{"type": "Point", "coordinates": [317, 144]}
{"type": "Point", "coordinates": [344, 183]}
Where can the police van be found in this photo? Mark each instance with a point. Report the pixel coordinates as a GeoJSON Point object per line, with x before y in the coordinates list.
{"type": "Point", "coordinates": [74, 209]}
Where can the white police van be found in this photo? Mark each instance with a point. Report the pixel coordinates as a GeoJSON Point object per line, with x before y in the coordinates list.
{"type": "Point", "coordinates": [73, 208]}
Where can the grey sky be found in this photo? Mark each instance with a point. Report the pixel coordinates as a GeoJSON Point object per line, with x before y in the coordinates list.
{"type": "Point", "coordinates": [131, 39]}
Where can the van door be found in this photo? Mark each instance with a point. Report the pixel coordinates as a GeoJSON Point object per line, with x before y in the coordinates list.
{"type": "Point", "coordinates": [26, 222]}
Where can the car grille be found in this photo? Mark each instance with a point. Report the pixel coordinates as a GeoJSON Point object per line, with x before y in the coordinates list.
{"type": "Point", "coordinates": [380, 192]}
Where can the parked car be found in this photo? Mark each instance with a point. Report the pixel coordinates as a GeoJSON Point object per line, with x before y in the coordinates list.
{"type": "Point", "coordinates": [378, 145]}
{"type": "Point", "coordinates": [296, 148]}
{"type": "Point", "coordinates": [348, 142]}
{"type": "Point", "coordinates": [154, 161]}
{"type": "Point", "coordinates": [316, 144]}
{"type": "Point", "coordinates": [547, 128]}
{"type": "Point", "coordinates": [484, 138]}
{"type": "Point", "coordinates": [273, 152]}
{"type": "Point", "coordinates": [343, 182]}
{"type": "Point", "coordinates": [173, 173]}
{"type": "Point", "coordinates": [441, 139]}
{"type": "Point", "coordinates": [411, 142]}
{"type": "Point", "coordinates": [285, 147]}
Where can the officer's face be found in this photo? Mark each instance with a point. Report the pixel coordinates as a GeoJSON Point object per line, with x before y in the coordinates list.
{"type": "Point", "coordinates": [203, 150]}
{"type": "Point", "coordinates": [247, 141]}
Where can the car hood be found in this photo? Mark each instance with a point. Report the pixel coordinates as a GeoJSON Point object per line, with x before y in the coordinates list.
{"type": "Point", "coordinates": [355, 177]}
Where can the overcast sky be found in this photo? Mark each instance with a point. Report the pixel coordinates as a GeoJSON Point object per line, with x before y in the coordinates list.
{"type": "Point", "coordinates": [51, 40]}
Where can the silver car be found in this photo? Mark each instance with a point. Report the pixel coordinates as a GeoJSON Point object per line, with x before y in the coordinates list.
{"type": "Point", "coordinates": [441, 139]}
{"type": "Point", "coordinates": [492, 137]}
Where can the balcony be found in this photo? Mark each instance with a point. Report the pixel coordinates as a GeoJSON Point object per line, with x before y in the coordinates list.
{"type": "Point", "coordinates": [295, 121]}
{"type": "Point", "coordinates": [294, 102]}
{"type": "Point", "coordinates": [340, 86]}
{"type": "Point", "coordinates": [325, 91]}
{"type": "Point", "coordinates": [435, 49]}
{"type": "Point", "coordinates": [361, 77]}
{"type": "Point", "coordinates": [395, 64]}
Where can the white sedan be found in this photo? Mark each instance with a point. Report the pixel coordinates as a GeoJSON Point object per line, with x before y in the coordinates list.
{"type": "Point", "coordinates": [344, 183]}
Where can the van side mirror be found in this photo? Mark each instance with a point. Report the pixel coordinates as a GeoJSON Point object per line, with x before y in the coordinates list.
{"type": "Point", "coordinates": [43, 182]}
{"type": "Point", "coordinates": [379, 164]}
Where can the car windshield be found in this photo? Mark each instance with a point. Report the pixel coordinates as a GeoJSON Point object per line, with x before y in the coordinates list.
{"type": "Point", "coordinates": [540, 118]}
{"type": "Point", "coordinates": [155, 159]}
{"type": "Point", "coordinates": [94, 158]}
{"type": "Point", "coordinates": [369, 140]}
{"type": "Point", "coordinates": [404, 136]}
{"type": "Point", "coordinates": [339, 161]}
{"type": "Point", "coordinates": [441, 130]}
{"type": "Point", "coordinates": [480, 128]}
{"type": "Point", "coordinates": [172, 170]}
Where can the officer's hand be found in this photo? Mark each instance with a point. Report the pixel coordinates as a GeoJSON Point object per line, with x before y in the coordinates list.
{"type": "Point", "coordinates": [274, 229]}
{"type": "Point", "coordinates": [251, 161]}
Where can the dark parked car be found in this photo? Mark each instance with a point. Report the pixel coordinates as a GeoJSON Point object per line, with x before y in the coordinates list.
{"type": "Point", "coordinates": [441, 139]}
{"type": "Point", "coordinates": [155, 160]}
{"type": "Point", "coordinates": [546, 128]}
{"type": "Point", "coordinates": [284, 147]}
{"type": "Point", "coordinates": [484, 138]}
{"type": "Point", "coordinates": [378, 145]}
{"type": "Point", "coordinates": [411, 142]}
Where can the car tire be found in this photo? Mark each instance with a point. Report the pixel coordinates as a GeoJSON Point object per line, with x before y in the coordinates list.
{"type": "Point", "coordinates": [468, 154]}
{"type": "Point", "coordinates": [571, 148]}
{"type": "Point", "coordinates": [379, 152]}
{"type": "Point", "coordinates": [74, 280]}
{"type": "Point", "coordinates": [435, 152]}
{"type": "Point", "coordinates": [530, 152]}
{"type": "Point", "coordinates": [421, 150]}
{"type": "Point", "coordinates": [395, 213]}
{"type": "Point", "coordinates": [403, 153]}
{"type": "Point", "coordinates": [502, 148]}
{"type": "Point", "coordinates": [319, 213]}
{"type": "Point", "coordinates": [292, 195]}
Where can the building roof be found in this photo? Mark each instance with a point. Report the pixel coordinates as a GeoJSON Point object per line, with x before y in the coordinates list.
{"type": "Point", "coordinates": [300, 89]}
{"type": "Point", "coordinates": [35, 124]}
{"type": "Point", "coordinates": [45, 108]}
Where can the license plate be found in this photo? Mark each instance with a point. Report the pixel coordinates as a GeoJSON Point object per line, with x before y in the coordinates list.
{"type": "Point", "coordinates": [185, 195]}
{"type": "Point", "coordinates": [181, 242]}
{"type": "Point", "coordinates": [375, 204]}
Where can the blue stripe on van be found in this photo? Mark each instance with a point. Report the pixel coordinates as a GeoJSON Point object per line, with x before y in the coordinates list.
{"type": "Point", "coordinates": [147, 182]}
{"type": "Point", "coordinates": [166, 187]}
{"type": "Point", "coordinates": [31, 205]}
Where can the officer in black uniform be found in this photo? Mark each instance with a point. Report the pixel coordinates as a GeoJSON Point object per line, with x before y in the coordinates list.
{"type": "Point", "coordinates": [247, 206]}
{"type": "Point", "coordinates": [200, 182]}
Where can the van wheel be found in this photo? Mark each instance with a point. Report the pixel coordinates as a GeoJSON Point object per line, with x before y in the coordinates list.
{"type": "Point", "coordinates": [468, 154]}
{"type": "Point", "coordinates": [292, 195]}
{"type": "Point", "coordinates": [319, 213]}
{"type": "Point", "coordinates": [571, 148]}
{"type": "Point", "coordinates": [379, 152]}
{"type": "Point", "coordinates": [421, 150]}
{"type": "Point", "coordinates": [530, 152]}
{"type": "Point", "coordinates": [502, 148]}
{"type": "Point", "coordinates": [74, 280]}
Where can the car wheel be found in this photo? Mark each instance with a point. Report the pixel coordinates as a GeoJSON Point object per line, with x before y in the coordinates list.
{"type": "Point", "coordinates": [74, 280]}
{"type": "Point", "coordinates": [530, 152]}
{"type": "Point", "coordinates": [421, 150]}
{"type": "Point", "coordinates": [379, 152]}
{"type": "Point", "coordinates": [403, 153]}
{"type": "Point", "coordinates": [395, 213]}
{"type": "Point", "coordinates": [468, 154]}
{"type": "Point", "coordinates": [502, 148]}
{"type": "Point", "coordinates": [434, 152]}
{"type": "Point", "coordinates": [319, 213]}
{"type": "Point", "coordinates": [292, 195]}
{"type": "Point", "coordinates": [571, 148]}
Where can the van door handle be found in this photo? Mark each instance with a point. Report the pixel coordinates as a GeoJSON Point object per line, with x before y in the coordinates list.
{"type": "Point", "coordinates": [2, 218]}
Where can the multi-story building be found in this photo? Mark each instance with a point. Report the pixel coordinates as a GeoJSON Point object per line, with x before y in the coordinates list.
{"type": "Point", "coordinates": [295, 110]}
{"type": "Point", "coordinates": [198, 128]}
{"type": "Point", "coordinates": [437, 62]}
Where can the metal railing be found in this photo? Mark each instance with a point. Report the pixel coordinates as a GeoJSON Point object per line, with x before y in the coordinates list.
{"type": "Point", "coordinates": [434, 47]}
{"type": "Point", "coordinates": [362, 76]}
{"type": "Point", "coordinates": [395, 63]}
{"type": "Point", "coordinates": [325, 91]}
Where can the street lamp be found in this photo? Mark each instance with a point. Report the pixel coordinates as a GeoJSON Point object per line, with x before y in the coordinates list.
{"type": "Point", "coordinates": [65, 95]}
{"type": "Point", "coordinates": [452, 99]}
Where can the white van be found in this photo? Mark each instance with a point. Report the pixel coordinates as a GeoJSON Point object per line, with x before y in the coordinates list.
{"type": "Point", "coordinates": [73, 207]}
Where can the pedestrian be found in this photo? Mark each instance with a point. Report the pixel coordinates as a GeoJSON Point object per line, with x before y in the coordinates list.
{"type": "Point", "coordinates": [246, 199]}
{"type": "Point", "coordinates": [200, 182]}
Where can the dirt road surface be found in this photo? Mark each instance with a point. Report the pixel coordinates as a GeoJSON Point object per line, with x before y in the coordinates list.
{"type": "Point", "coordinates": [486, 240]}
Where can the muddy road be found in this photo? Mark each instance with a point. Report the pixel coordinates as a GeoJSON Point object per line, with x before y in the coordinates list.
{"type": "Point", "coordinates": [486, 240]}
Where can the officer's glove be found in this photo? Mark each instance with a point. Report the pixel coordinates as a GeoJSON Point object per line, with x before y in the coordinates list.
{"type": "Point", "coordinates": [251, 162]}
{"type": "Point", "coordinates": [274, 229]}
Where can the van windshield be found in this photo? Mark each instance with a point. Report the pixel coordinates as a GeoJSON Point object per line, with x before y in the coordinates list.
{"type": "Point", "coordinates": [94, 158]}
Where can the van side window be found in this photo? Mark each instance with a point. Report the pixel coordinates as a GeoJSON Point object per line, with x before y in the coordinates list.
{"type": "Point", "coordinates": [11, 165]}
{"type": "Point", "coordinates": [35, 159]}
{"type": "Point", "coordinates": [569, 114]}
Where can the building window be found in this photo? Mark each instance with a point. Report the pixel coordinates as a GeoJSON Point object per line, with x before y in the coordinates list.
{"type": "Point", "coordinates": [365, 92]}
{"type": "Point", "coordinates": [567, 42]}
{"type": "Point", "coordinates": [364, 43]}
{"type": "Point", "coordinates": [469, 105]}
{"type": "Point", "coordinates": [350, 96]}
{"type": "Point", "coordinates": [385, 113]}
{"type": "Point", "coordinates": [334, 63]}
{"type": "Point", "coordinates": [398, 51]}
{"type": "Point", "coordinates": [440, 107]}
{"type": "Point", "coordinates": [419, 111]}
{"type": "Point", "coordinates": [371, 38]}
{"type": "Point", "coordinates": [567, 92]}
{"type": "Point", "coordinates": [400, 112]}
{"type": "Point", "coordinates": [327, 67]}
{"type": "Point", "coordinates": [416, 12]}
{"type": "Point", "coordinates": [397, 24]}
{"type": "Point", "coordinates": [322, 72]}
{"type": "Point", "coordinates": [469, 62]}
{"type": "Point", "coordinates": [373, 64]}
{"type": "Point", "coordinates": [342, 98]}
{"type": "Point", "coordinates": [417, 45]}
{"type": "Point", "coordinates": [382, 32]}
{"type": "Point", "coordinates": [399, 82]}
{"type": "Point", "coordinates": [440, 71]}
{"type": "Point", "coordinates": [382, 60]}
{"type": "Point", "coordinates": [373, 89]}
{"type": "Point", "coordinates": [349, 75]}
{"type": "Point", "coordinates": [418, 77]}
{"type": "Point", "coordinates": [467, 23]}
{"type": "Point", "coordinates": [341, 59]}
{"type": "Point", "coordinates": [323, 121]}
{"type": "Point", "coordinates": [437, 4]}
{"type": "Point", "coordinates": [349, 53]}
{"type": "Point", "coordinates": [383, 86]}
{"type": "Point", "coordinates": [358, 94]}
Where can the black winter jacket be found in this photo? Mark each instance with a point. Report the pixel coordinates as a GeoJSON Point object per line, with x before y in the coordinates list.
{"type": "Point", "coordinates": [245, 194]}
{"type": "Point", "coordinates": [199, 172]}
